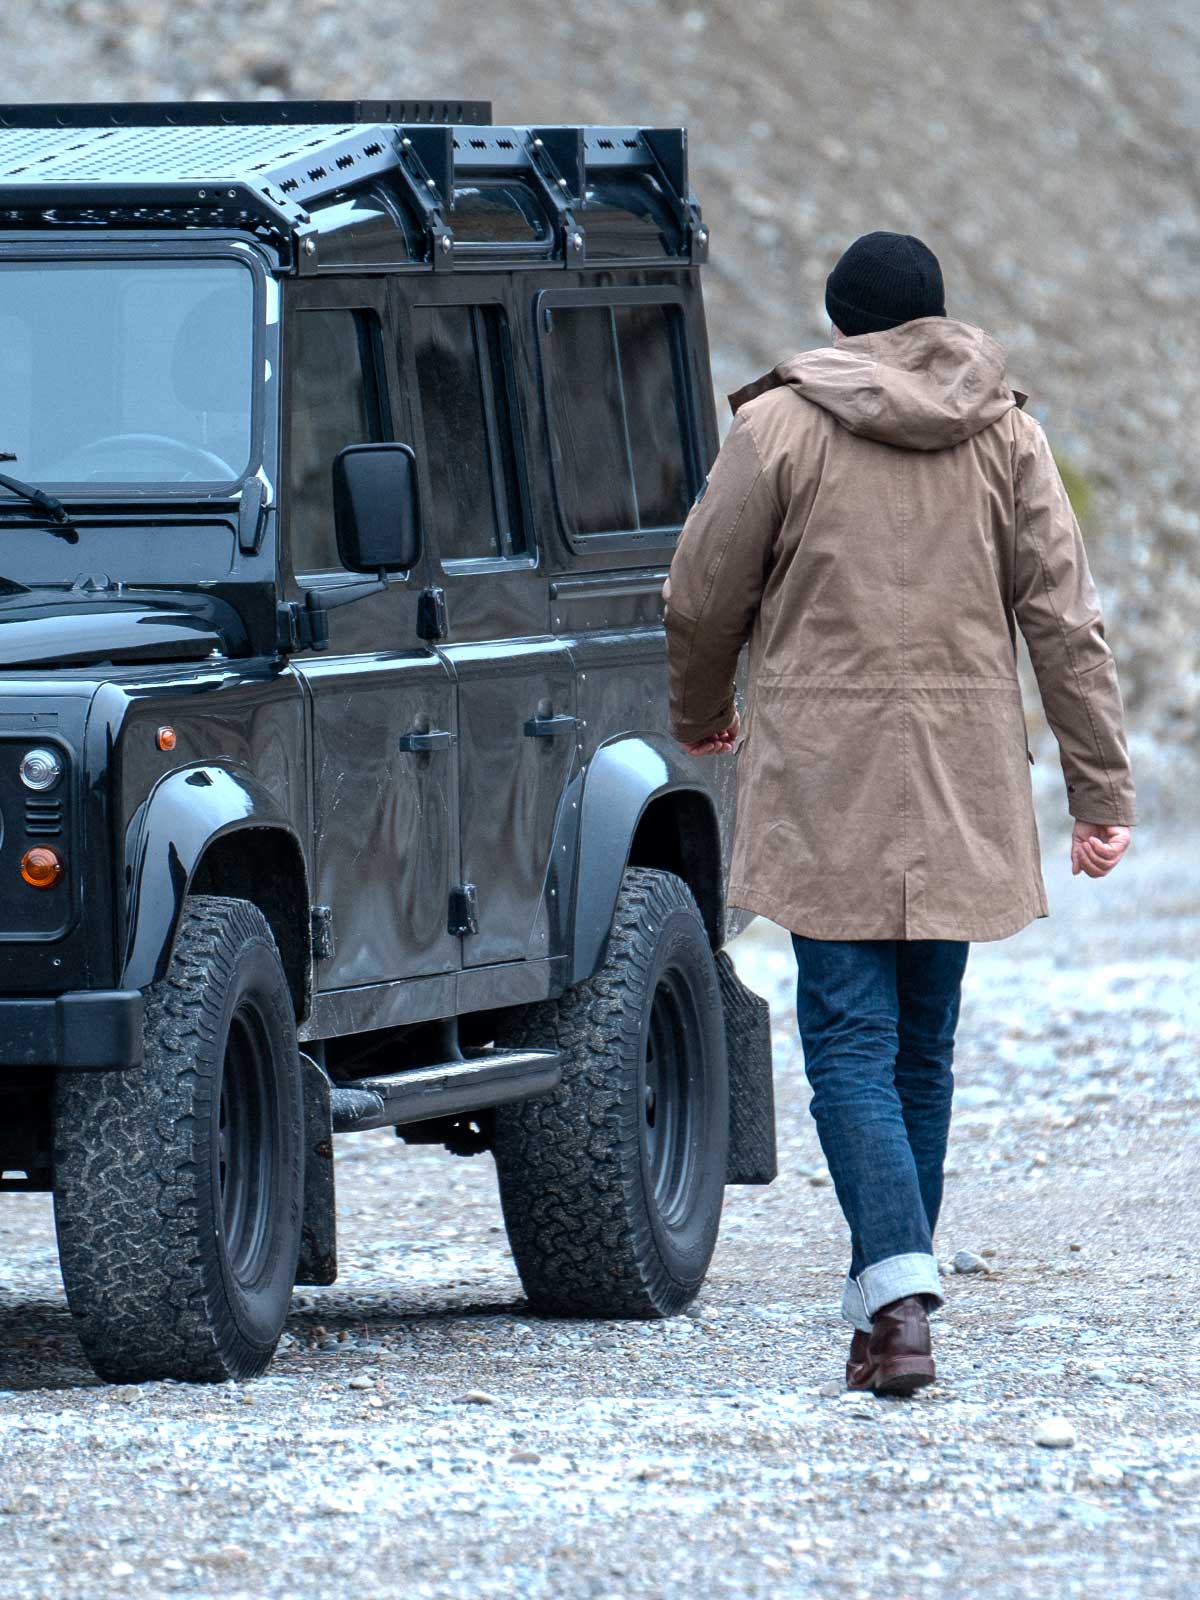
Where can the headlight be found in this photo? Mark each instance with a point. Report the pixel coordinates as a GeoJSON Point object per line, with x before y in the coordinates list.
{"type": "Point", "coordinates": [41, 769]}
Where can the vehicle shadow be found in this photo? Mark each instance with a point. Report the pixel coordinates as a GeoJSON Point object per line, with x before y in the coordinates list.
{"type": "Point", "coordinates": [39, 1349]}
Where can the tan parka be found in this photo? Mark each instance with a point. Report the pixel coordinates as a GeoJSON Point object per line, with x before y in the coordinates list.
{"type": "Point", "coordinates": [880, 518]}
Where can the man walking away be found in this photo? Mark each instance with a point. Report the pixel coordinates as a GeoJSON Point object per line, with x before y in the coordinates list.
{"type": "Point", "coordinates": [881, 517]}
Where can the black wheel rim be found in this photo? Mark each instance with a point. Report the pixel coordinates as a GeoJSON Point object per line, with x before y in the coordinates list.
{"type": "Point", "coordinates": [246, 1144]}
{"type": "Point", "coordinates": [672, 1095]}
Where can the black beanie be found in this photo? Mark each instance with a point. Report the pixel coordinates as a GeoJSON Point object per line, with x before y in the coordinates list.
{"type": "Point", "coordinates": [882, 280]}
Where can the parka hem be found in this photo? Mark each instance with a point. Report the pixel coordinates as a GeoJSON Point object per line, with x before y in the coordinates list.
{"type": "Point", "coordinates": [786, 915]}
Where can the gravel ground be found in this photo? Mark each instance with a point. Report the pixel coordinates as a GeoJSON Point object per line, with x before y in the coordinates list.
{"type": "Point", "coordinates": [421, 1429]}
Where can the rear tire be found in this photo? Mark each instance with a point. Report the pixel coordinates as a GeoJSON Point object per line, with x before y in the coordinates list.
{"type": "Point", "coordinates": [612, 1185]}
{"type": "Point", "coordinates": [179, 1186]}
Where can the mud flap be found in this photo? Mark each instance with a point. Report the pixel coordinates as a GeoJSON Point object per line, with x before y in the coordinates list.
{"type": "Point", "coordinates": [318, 1243]}
{"type": "Point", "coordinates": [751, 1156]}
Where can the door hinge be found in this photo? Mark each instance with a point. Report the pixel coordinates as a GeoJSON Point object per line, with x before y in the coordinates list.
{"type": "Point", "coordinates": [322, 932]}
{"type": "Point", "coordinates": [464, 909]}
{"type": "Point", "coordinates": [301, 628]}
{"type": "Point", "coordinates": [431, 614]}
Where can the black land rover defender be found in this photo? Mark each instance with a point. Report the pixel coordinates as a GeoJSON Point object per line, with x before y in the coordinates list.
{"type": "Point", "coordinates": [344, 447]}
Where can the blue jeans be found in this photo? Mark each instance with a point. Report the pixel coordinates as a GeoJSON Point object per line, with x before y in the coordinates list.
{"type": "Point", "coordinates": [877, 1020]}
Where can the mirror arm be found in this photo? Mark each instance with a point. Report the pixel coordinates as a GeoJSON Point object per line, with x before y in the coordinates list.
{"type": "Point", "coordinates": [306, 627]}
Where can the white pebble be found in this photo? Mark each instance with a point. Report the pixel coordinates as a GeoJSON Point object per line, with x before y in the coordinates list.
{"type": "Point", "coordinates": [968, 1261]}
{"type": "Point", "coordinates": [1055, 1433]}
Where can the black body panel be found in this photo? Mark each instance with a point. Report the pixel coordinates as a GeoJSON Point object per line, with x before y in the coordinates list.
{"type": "Point", "coordinates": [430, 784]}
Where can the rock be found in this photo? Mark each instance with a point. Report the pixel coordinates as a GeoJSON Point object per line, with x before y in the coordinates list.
{"type": "Point", "coordinates": [525, 1458]}
{"type": "Point", "coordinates": [968, 1261]}
{"type": "Point", "coordinates": [121, 1569]}
{"type": "Point", "coordinates": [820, 1179]}
{"type": "Point", "coordinates": [476, 1397]}
{"type": "Point", "coordinates": [329, 1505]}
{"type": "Point", "coordinates": [1055, 1433]}
{"type": "Point", "coordinates": [125, 1394]}
{"type": "Point", "coordinates": [1105, 1474]}
{"type": "Point", "coordinates": [832, 1389]}
{"type": "Point", "coordinates": [27, 1501]}
{"type": "Point", "coordinates": [361, 1382]}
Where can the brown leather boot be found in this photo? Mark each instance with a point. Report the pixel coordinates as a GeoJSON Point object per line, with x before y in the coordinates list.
{"type": "Point", "coordinates": [895, 1357]}
{"type": "Point", "coordinates": [858, 1355]}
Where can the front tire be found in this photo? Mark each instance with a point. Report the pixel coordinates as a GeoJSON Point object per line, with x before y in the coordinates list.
{"type": "Point", "coordinates": [612, 1185]}
{"type": "Point", "coordinates": [179, 1186]}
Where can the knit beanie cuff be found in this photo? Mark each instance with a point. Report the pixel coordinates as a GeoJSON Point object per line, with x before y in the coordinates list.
{"type": "Point", "coordinates": [851, 320]}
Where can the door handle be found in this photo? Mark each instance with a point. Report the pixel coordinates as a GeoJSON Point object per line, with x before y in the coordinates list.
{"type": "Point", "coordinates": [430, 739]}
{"type": "Point", "coordinates": [550, 727]}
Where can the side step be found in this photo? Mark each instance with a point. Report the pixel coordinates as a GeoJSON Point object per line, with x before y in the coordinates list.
{"type": "Point", "coordinates": [446, 1090]}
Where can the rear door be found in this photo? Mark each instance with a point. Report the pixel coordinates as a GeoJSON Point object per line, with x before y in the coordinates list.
{"type": "Point", "coordinates": [516, 712]}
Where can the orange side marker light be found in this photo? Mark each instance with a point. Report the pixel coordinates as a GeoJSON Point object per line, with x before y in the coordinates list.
{"type": "Point", "coordinates": [165, 738]}
{"type": "Point", "coordinates": [41, 867]}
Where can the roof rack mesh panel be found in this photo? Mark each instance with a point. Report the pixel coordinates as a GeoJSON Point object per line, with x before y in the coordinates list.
{"type": "Point", "coordinates": [169, 154]}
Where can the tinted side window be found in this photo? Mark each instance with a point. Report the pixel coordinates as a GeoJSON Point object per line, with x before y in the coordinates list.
{"type": "Point", "coordinates": [337, 399]}
{"type": "Point", "coordinates": [619, 418]}
{"type": "Point", "coordinates": [656, 413]}
{"type": "Point", "coordinates": [468, 419]}
{"type": "Point", "coordinates": [595, 483]}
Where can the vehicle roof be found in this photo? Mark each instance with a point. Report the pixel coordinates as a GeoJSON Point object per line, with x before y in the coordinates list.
{"type": "Point", "coordinates": [278, 169]}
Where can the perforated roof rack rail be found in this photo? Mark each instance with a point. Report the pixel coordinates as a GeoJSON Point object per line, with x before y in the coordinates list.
{"type": "Point", "coordinates": [264, 166]}
{"type": "Point", "coordinates": [239, 113]}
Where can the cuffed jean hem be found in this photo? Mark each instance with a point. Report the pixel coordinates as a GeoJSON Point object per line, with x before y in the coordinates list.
{"type": "Point", "coordinates": [888, 1280]}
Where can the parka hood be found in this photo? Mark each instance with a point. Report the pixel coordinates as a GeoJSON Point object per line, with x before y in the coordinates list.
{"type": "Point", "coordinates": [923, 385]}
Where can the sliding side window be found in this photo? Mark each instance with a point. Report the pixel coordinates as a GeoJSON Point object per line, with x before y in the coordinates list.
{"type": "Point", "coordinates": [476, 507]}
{"type": "Point", "coordinates": [620, 414]}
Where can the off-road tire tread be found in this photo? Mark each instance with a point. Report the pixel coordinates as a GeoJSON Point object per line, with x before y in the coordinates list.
{"type": "Point", "coordinates": [568, 1163]}
{"type": "Point", "coordinates": [126, 1198]}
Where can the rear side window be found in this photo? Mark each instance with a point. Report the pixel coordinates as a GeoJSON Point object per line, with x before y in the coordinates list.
{"type": "Point", "coordinates": [475, 508]}
{"type": "Point", "coordinates": [337, 399]}
{"type": "Point", "coordinates": [620, 419]}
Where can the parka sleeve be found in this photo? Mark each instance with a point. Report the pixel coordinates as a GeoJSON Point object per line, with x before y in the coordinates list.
{"type": "Point", "coordinates": [715, 582]}
{"type": "Point", "coordinates": [1058, 611]}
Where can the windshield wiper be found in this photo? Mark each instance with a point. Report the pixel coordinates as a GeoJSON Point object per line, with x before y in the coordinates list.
{"type": "Point", "coordinates": [42, 501]}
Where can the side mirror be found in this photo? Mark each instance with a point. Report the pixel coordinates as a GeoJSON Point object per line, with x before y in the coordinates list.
{"type": "Point", "coordinates": [376, 515]}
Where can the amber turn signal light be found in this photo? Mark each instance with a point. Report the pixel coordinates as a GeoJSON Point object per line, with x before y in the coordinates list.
{"type": "Point", "coordinates": [165, 738]}
{"type": "Point", "coordinates": [41, 867]}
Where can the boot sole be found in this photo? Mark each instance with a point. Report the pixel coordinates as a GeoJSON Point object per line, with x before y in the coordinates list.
{"type": "Point", "coordinates": [903, 1377]}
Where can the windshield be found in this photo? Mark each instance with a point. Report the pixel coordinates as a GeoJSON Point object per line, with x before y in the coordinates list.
{"type": "Point", "coordinates": [126, 372]}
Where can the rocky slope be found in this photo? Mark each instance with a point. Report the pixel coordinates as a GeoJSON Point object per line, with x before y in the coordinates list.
{"type": "Point", "coordinates": [1048, 152]}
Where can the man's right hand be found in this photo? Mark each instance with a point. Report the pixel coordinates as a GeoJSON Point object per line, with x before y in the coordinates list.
{"type": "Point", "coordinates": [1096, 847]}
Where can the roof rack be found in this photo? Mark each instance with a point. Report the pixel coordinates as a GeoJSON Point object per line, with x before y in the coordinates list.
{"type": "Point", "coordinates": [264, 166]}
